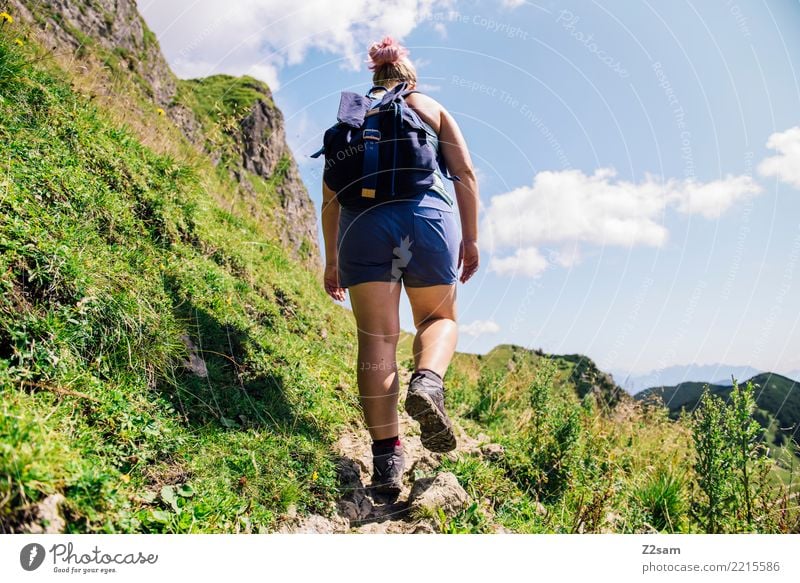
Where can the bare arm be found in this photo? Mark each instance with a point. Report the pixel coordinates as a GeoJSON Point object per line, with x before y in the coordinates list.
{"type": "Point", "coordinates": [456, 156]}
{"type": "Point", "coordinates": [330, 233]}
{"type": "Point", "coordinates": [330, 223]}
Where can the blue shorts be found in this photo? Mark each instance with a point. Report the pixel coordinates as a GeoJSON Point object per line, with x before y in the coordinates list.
{"type": "Point", "coordinates": [399, 240]}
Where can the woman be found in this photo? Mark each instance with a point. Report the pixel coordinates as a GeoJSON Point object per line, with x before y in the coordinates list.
{"type": "Point", "coordinates": [415, 241]}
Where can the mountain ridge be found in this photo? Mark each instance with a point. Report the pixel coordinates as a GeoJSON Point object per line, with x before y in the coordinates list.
{"type": "Point", "coordinates": [775, 394]}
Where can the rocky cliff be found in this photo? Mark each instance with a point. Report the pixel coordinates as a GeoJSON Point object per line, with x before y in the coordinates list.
{"type": "Point", "coordinates": [113, 33]}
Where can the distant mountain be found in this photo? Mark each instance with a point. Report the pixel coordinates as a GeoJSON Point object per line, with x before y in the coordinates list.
{"type": "Point", "coordinates": [718, 374]}
{"type": "Point", "coordinates": [777, 396]}
{"type": "Point", "coordinates": [793, 374]}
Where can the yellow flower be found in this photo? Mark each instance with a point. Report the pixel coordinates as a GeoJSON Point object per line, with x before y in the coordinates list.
{"type": "Point", "coordinates": [19, 41]}
{"type": "Point", "coordinates": [160, 111]}
{"type": "Point", "coordinates": [5, 16]}
{"type": "Point", "coordinates": [315, 476]}
{"type": "Point", "coordinates": [125, 478]}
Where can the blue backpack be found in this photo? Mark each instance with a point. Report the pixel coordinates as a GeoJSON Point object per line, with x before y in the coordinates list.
{"type": "Point", "coordinates": [378, 150]}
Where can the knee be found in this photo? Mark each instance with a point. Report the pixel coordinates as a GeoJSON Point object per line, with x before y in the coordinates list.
{"type": "Point", "coordinates": [378, 338]}
{"type": "Point", "coordinates": [428, 320]}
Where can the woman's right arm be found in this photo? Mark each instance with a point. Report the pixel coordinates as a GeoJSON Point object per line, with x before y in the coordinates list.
{"type": "Point", "coordinates": [330, 233]}
{"type": "Point", "coordinates": [458, 161]}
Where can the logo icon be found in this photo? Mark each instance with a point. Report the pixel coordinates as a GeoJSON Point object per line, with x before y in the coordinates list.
{"type": "Point", "coordinates": [401, 256]}
{"type": "Point", "coordinates": [31, 556]}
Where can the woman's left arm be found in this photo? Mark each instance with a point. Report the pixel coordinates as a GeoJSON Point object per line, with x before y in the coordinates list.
{"type": "Point", "coordinates": [330, 232]}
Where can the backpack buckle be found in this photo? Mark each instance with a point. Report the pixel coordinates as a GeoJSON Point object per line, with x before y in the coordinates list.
{"type": "Point", "coordinates": [371, 134]}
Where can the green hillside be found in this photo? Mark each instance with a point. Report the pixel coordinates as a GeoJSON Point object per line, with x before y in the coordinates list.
{"type": "Point", "coordinates": [777, 397]}
{"type": "Point", "coordinates": [110, 254]}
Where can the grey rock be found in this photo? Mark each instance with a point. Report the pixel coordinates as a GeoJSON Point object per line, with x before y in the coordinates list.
{"type": "Point", "coordinates": [426, 464]}
{"type": "Point", "coordinates": [492, 452]}
{"type": "Point", "coordinates": [45, 516]}
{"type": "Point", "coordinates": [441, 491]}
{"type": "Point", "coordinates": [424, 528]}
{"type": "Point", "coordinates": [195, 363]}
{"type": "Point", "coordinates": [316, 524]}
{"type": "Point", "coordinates": [117, 26]}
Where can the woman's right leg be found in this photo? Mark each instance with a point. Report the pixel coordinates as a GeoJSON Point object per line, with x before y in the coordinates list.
{"type": "Point", "coordinates": [434, 309]}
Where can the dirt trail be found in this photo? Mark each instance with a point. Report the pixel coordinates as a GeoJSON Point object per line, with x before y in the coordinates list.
{"type": "Point", "coordinates": [362, 511]}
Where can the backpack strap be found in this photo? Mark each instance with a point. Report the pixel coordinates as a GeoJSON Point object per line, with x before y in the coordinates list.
{"type": "Point", "coordinates": [439, 157]}
{"type": "Point", "coordinates": [371, 136]}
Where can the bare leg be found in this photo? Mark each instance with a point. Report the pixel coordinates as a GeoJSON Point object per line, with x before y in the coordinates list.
{"type": "Point", "coordinates": [376, 309]}
{"type": "Point", "coordinates": [434, 310]}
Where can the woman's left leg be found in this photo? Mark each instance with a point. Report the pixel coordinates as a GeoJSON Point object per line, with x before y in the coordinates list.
{"type": "Point", "coordinates": [376, 309]}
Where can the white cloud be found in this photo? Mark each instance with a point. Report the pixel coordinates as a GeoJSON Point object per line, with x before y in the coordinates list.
{"type": "Point", "coordinates": [258, 37]}
{"type": "Point", "coordinates": [568, 207]}
{"type": "Point", "coordinates": [479, 327]}
{"type": "Point", "coordinates": [786, 165]}
{"type": "Point", "coordinates": [440, 28]}
{"type": "Point", "coordinates": [526, 261]}
{"type": "Point", "coordinates": [513, 3]}
{"type": "Point", "coordinates": [711, 199]}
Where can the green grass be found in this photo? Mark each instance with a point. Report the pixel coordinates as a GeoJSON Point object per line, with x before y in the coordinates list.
{"type": "Point", "coordinates": [572, 464]}
{"type": "Point", "coordinates": [110, 253]}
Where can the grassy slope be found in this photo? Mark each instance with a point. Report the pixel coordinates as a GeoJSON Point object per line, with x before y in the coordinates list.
{"type": "Point", "coordinates": [777, 397]}
{"type": "Point", "coordinates": [109, 253]}
{"type": "Point", "coordinates": [567, 467]}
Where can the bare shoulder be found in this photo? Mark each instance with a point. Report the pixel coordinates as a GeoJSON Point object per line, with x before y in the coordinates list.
{"type": "Point", "coordinates": [428, 109]}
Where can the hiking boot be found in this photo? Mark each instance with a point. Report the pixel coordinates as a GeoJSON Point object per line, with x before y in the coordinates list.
{"type": "Point", "coordinates": [425, 403]}
{"type": "Point", "coordinates": [387, 471]}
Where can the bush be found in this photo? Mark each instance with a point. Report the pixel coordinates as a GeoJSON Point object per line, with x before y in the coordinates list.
{"type": "Point", "coordinates": [729, 453]}
{"type": "Point", "coordinates": [543, 458]}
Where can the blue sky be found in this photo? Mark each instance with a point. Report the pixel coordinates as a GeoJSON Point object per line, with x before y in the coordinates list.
{"type": "Point", "coordinates": [639, 171]}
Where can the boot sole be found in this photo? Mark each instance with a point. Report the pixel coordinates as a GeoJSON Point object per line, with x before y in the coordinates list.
{"type": "Point", "coordinates": [435, 426]}
{"type": "Point", "coordinates": [387, 489]}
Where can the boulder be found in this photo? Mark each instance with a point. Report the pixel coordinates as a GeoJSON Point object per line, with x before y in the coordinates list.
{"type": "Point", "coordinates": [316, 524]}
{"type": "Point", "coordinates": [441, 491]}
{"type": "Point", "coordinates": [44, 517]}
{"type": "Point", "coordinates": [492, 452]}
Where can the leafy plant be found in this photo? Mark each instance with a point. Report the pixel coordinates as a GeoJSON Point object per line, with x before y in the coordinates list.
{"type": "Point", "coordinates": [664, 501]}
{"type": "Point", "coordinates": [729, 453]}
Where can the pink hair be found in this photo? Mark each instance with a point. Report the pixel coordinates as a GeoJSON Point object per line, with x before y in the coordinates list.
{"type": "Point", "coordinates": [385, 52]}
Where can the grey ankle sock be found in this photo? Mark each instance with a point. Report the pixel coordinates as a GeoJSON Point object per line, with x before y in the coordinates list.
{"type": "Point", "coordinates": [426, 372]}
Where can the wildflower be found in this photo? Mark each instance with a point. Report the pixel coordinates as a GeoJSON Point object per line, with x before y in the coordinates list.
{"type": "Point", "coordinates": [160, 111]}
{"type": "Point", "coordinates": [6, 17]}
{"type": "Point", "coordinates": [19, 41]}
{"type": "Point", "coordinates": [315, 476]}
{"type": "Point", "coordinates": [125, 478]}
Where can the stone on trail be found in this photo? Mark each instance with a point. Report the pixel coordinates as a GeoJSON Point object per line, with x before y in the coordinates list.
{"type": "Point", "coordinates": [441, 491]}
